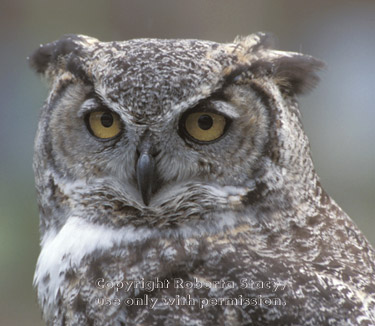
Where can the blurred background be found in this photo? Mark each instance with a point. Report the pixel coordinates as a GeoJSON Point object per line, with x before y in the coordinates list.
{"type": "Point", "coordinates": [339, 115]}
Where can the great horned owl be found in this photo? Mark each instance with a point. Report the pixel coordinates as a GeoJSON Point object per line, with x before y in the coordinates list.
{"type": "Point", "coordinates": [176, 187]}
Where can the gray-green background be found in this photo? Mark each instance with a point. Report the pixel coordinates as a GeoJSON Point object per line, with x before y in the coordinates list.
{"type": "Point", "coordinates": [339, 115]}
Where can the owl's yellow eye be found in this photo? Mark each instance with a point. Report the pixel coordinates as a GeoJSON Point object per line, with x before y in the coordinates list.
{"type": "Point", "coordinates": [104, 124]}
{"type": "Point", "coordinates": [205, 126]}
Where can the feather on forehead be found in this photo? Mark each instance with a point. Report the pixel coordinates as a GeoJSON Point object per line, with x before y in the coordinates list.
{"type": "Point", "coordinates": [249, 57]}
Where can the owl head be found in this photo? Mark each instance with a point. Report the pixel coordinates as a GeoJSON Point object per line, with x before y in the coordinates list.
{"type": "Point", "coordinates": [159, 133]}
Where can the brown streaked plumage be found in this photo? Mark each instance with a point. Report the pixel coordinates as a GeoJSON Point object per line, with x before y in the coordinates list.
{"type": "Point", "coordinates": [242, 212]}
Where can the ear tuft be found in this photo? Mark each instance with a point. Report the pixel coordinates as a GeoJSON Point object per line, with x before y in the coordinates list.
{"type": "Point", "coordinates": [296, 72]}
{"type": "Point", "coordinates": [256, 41]}
{"type": "Point", "coordinates": [293, 72]}
{"type": "Point", "coordinates": [48, 55]}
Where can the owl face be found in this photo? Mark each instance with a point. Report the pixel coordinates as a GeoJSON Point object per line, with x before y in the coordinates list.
{"type": "Point", "coordinates": [165, 158]}
{"type": "Point", "coordinates": [151, 124]}
{"type": "Point", "coordinates": [98, 139]}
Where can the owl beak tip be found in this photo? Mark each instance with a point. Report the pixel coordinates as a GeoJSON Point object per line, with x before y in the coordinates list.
{"type": "Point", "coordinates": [146, 201]}
{"type": "Point", "coordinates": [145, 175]}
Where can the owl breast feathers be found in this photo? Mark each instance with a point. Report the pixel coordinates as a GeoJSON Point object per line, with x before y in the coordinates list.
{"type": "Point", "coordinates": [176, 187]}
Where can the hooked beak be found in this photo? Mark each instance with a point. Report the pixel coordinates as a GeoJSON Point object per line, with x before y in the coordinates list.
{"type": "Point", "coordinates": [145, 175]}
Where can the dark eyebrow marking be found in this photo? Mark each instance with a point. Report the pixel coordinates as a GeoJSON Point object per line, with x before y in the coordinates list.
{"type": "Point", "coordinates": [75, 66]}
{"type": "Point", "coordinates": [219, 94]}
{"type": "Point", "coordinates": [238, 71]}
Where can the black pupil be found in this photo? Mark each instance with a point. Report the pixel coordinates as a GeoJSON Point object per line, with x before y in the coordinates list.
{"type": "Point", "coordinates": [106, 119]}
{"type": "Point", "coordinates": [205, 122]}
